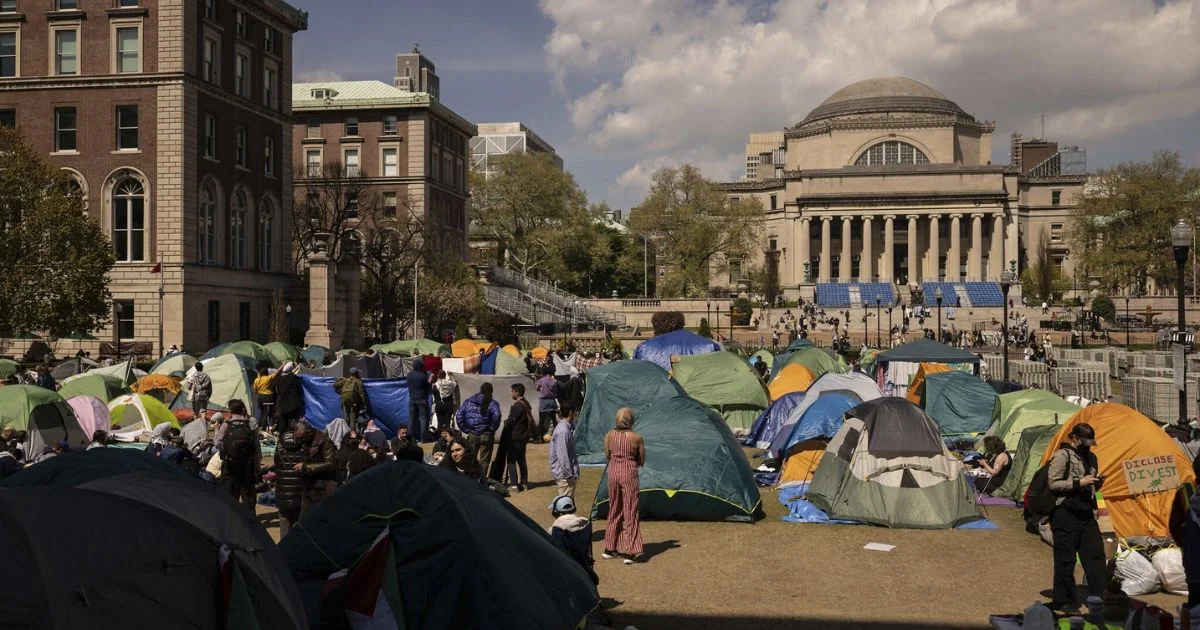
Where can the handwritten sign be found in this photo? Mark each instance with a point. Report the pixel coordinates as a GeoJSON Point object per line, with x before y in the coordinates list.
{"type": "Point", "coordinates": [1151, 474]}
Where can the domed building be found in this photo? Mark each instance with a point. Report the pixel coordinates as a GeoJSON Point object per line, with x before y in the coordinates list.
{"type": "Point", "coordinates": [889, 183]}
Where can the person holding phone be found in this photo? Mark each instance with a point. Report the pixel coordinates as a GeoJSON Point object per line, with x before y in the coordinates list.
{"type": "Point", "coordinates": [1073, 476]}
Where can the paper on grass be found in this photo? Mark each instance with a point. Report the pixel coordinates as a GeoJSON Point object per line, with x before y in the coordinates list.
{"type": "Point", "coordinates": [878, 547]}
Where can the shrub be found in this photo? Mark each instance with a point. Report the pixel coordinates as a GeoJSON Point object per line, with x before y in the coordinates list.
{"type": "Point", "coordinates": [460, 329]}
{"type": "Point", "coordinates": [744, 308]}
{"type": "Point", "coordinates": [666, 321]}
{"type": "Point", "coordinates": [1104, 307]}
{"type": "Point", "coordinates": [704, 330]}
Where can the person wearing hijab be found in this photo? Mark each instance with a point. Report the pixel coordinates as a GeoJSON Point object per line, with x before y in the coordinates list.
{"type": "Point", "coordinates": [626, 452]}
{"type": "Point", "coordinates": [289, 399]}
{"type": "Point", "coordinates": [374, 435]}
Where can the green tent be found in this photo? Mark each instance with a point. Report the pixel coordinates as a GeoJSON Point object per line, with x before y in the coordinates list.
{"type": "Point", "coordinates": [230, 380]}
{"type": "Point", "coordinates": [43, 413]}
{"type": "Point", "coordinates": [139, 412]}
{"type": "Point", "coordinates": [100, 386]}
{"type": "Point", "coordinates": [123, 371]}
{"type": "Point", "coordinates": [816, 360]}
{"type": "Point", "coordinates": [413, 347]}
{"type": "Point", "coordinates": [695, 470]}
{"type": "Point", "coordinates": [172, 363]}
{"type": "Point", "coordinates": [248, 349]}
{"type": "Point", "coordinates": [725, 382]}
{"type": "Point", "coordinates": [8, 367]}
{"type": "Point", "coordinates": [1016, 411]}
{"type": "Point", "coordinates": [1027, 458]}
{"type": "Point", "coordinates": [281, 352]}
{"type": "Point", "coordinates": [766, 357]}
{"type": "Point", "coordinates": [633, 383]}
{"type": "Point", "coordinates": [507, 364]}
{"type": "Point", "coordinates": [961, 403]}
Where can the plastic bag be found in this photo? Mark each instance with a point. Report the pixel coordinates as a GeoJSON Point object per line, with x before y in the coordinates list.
{"type": "Point", "coordinates": [1136, 573]}
{"type": "Point", "coordinates": [1168, 563]}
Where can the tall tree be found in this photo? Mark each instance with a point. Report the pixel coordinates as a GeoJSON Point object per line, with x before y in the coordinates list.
{"type": "Point", "coordinates": [1120, 228]}
{"type": "Point", "coordinates": [692, 221]}
{"type": "Point", "coordinates": [54, 261]}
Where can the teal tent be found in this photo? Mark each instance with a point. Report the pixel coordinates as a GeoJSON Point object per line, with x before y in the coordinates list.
{"type": "Point", "coordinates": [726, 382]}
{"type": "Point", "coordinates": [961, 403]}
{"type": "Point", "coordinates": [695, 470]}
{"type": "Point", "coordinates": [633, 383]}
{"type": "Point", "coordinates": [282, 352]}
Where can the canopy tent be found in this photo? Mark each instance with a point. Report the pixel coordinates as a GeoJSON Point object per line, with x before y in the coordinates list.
{"type": "Point", "coordinates": [887, 465]}
{"type": "Point", "coordinates": [769, 421]}
{"type": "Point", "coordinates": [314, 354]}
{"type": "Point", "coordinates": [414, 347]}
{"type": "Point", "coordinates": [960, 403]}
{"type": "Point", "coordinates": [231, 380]}
{"type": "Point", "coordinates": [43, 413]}
{"type": "Point", "coordinates": [95, 385]}
{"type": "Point", "coordinates": [766, 357]}
{"type": "Point", "coordinates": [1026, 459]}
{"type": "Point", "coordinates": [855, 383]}
{"type": "Point", "coordinates": [176, 363]}
{"type": "Point", "coordinates": [151, 546]}
{"type": "Point", "coordinates": [633, 383]}
{"type": "Point", "coordinates": [659, 350]}
{"type": "Point", "coordinates": [281, 352]}
{"type": "Point", "coordinates": [793, 378]}
{"type": "Point", "coordinates": [249, 349]}
{"type": "Point", "coordinates": [725, 382]}
{"type": "Point", "coordinates": [91, 414]}
{"type": "Point", "coordinates": [916, 387]}
{"type": "Point", "coordinates": [454, 555]}
{"type": "Point", "coordinates": [387, 402]}
{"type": "Point", "coordinates": [1014, 412]}
{"type": "Point", "coordinates": [123, 371]}
{"type": "Point", "coordinates": [1124, 438]}
{"type": "Point", "coordinates": [135, 413]}
{"type": "Point", "coordinates": [61, 372]}
{"type": "Point", "coordinates": [927, 351]}
{"type": "Point", "coordinates": [694, 471]}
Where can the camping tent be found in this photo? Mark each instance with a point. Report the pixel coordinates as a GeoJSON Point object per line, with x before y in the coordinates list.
{"type": "Point", "coordinates": [281, 352]}
{"type": "Point", "coordinates": [633, 383]}
{"type": "Point", "coordinates": [660, 349]}
{"type": "Point", "coordinates": [539, 353]}
{"type": "Point", "coordinates": [43, 413]}
{"type": "Point", "coordinates": [1014, 412]}
{"type": "Point", "coordinates": [172, 363]}
{"type": "Point", "coordinates": [414, 347]}
{"type": "Point", "coordinates": [855, 383]}
{"type": "Point", "coordinates": [136, 413]}
{"type": "Point", "coordinates": [916, 386]}
{"type": "Point", "coordinates": [91, 414]}
{"type": "Point", "coordinates": [800, 342]}
{"type": "Point", "coordinates": [887, 465]}
{"type": "Point", "coordinates": [161, 386]}
{"type": "Point", "coordinates": [150, 545]}
{"type": "Point", "coordinates": [513, 350]}
{"type": "Point", "coordinates": [8, 367]}
{"type": "Point", "coordinates": [314, 354]}
{"type": "Point", "coordinates": [769, 421]}
{"type": "Point", "coordinates": [64, 370]}
{"type": "Point", "coordinates": [694, 470]}
{"type": "Point", "coordinates": [95, 385]}
{"type": "Point", "coordinates": [123, 371]}
{"type": "Point", "coordinates": [454, 555]}
{"type": "Point", "coordinates": [468, 347]}
{"type": "Point", "coordinates": [806, 443]}
{"type": "Point", "coordinates": [230, 374]}
{"type": "Point", "coordinates": [793, 378]}
{"type": "Point", "coordinates": [1131, 446]}
{"type": "Point", "coordinates": [900, 363]}
{"type": "Point", "coordinates": [961, 403]}
{"type": "Point", "coordinates": [508, 363]}
{"type": "Point", "coordinates": [1026, 459]}
{"type": "Point", "coordinates": [725, 382]}
{"type": "Point", "coordinates": [248, 349]}
{"type": "Point", "coordinates": [766, 357]}
{"type": "Point", "coordinates": [818, 362]}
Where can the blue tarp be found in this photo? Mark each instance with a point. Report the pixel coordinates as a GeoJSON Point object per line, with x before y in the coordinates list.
{"type": "Point", "coordinates": [488, 365]}
{"type": "Point", "coordinates": [660, 349]}
{"type": "Point", "coordinates": [803, 511]}
{"type": "Point", "coordinates": [387, 401]}
{"type": "Point", "coordinates": [822, 419]}
{"type": "Point", "coordinates": [768, 423]}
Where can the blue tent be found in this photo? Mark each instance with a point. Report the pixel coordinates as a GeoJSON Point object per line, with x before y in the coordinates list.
{"type": "Point", "coordinates": [823, 418]}
{"type": "Point", "coordinates": [488, 365]}
{"type": "Point", "coordinates": [387, 401]}
{"type": "Point", "coordinates": [660, 349]}
{"type": "Point", "coordinates": [768, 423]}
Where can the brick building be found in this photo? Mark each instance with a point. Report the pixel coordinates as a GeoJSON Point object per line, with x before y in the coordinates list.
{"type": "Point", "coordinates": [172, 117]}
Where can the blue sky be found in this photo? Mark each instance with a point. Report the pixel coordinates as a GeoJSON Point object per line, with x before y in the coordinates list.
{"type": "Point", "coordinates": [621, 87]}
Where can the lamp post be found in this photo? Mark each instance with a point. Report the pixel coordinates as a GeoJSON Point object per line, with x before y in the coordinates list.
{"type": "Point", "coordinates": [1181, 241]}
{"type": "Point", "coordinates": [937, 295]}
{"type": "Point", "coordinates": [1007, 277]}
{"type": "Point", "coordinates": [889, 327]}
{"type": "Point", "coordinates": [708, 313]}
{"type": "Point", "coordinates": [287, 323]}
{"type": "Point", "coordinates": [645, 266]}
{"type": "Point", "coordinates": [731, 321]}
{"type": "Point", "coordinates": [573, 310]}
{"type": "Point", "coordinates": [878, 338]}
{"type": "Point", "coordinates": [1126, 321]}
{"type": "Point", "coordinates": [718, 311]}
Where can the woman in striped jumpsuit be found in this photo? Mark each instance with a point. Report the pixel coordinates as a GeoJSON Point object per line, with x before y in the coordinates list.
{"type": "Point", "coordinates": [626, 452]}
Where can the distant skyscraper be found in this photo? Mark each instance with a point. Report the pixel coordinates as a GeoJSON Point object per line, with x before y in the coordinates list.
{"type": "Point", "coordinates": [415, 73]}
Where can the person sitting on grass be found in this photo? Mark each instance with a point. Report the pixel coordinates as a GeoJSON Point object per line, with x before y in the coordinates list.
{"type": "Point", "coordinates": [461, 460]}
{"type": "Point", "coordinates": [993, 466]}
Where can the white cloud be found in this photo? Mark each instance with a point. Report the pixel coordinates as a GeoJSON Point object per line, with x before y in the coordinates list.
{"type": "Point", "coordinates": [687, 80]}
{"type": "Point", "coordinates": [319, 76]}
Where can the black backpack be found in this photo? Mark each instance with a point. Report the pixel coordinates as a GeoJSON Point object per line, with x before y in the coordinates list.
{"type": "Point", "coordinates": [1040, 501]}
{"type": "Point", "coordinates": [238, 446]}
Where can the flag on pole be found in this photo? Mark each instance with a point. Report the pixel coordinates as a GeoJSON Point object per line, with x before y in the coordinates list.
{"type": "Point", "coordinates": [370, 589]}
{"type": "Point", "coordinates": [157, 268]}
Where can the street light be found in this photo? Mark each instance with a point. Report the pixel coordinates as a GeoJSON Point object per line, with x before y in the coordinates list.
{"type": "Point", "coordinates": [937, 295]}
{"type": "Point", "coordinates": [718, 311]}
{"type": "Point", "coordinates": [878, 338]}
{"type": "Point", "coordinates": [1007, 278]}
{"type": "Point", "coordinates": [573, 310]}
{"type": "Point", "coordinates": [287, 324]}
{"type": "Point", "coordinates": [708, 313]}
{"type": "Point", "coordinates": [889, 327]}
{"type": "Point", "coordinates": [1181, 241]}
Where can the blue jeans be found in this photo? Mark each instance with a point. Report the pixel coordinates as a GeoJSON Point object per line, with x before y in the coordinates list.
{"type": "Point", "coordinates": [418, 420]}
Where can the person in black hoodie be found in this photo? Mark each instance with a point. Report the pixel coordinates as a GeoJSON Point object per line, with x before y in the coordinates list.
{"type": "Point", "coordinates": [289, 399]}
{"type": "Point", "coordinates": [418, 401]}
{"type": "Point", "coordinates": [319, 467]}
{"type": "Point", "coordinates": [518, 427]}
{"type": "Point", "coordinates": [289, 482]}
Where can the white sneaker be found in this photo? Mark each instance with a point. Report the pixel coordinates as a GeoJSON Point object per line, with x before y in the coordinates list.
{"type": "Point", "coordinates": [628, 560]}
{"type": "Point", "coordinates": [607, 556]}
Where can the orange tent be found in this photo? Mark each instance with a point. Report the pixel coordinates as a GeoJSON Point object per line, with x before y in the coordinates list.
{"type": "Point", "coordinates": [539, 352]}
{"type": "Point", "coordinates": [513, 350]}
{"type": "Point", "coordinates": [916, 388]}
{"type": "Point", "coordinates": [802, 461]}
{"type": "Point", "coordinates": [151, 382]}
{"type": "Point", "coordinates": [463, 348]}
{"type": "Point", "coordinates": [792, 378]}
{"type": "Point", "coordinates": [1132, 449]}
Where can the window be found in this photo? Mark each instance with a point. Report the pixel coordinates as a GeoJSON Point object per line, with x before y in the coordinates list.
{"type": "Point", "coordinates": [68, 5]}
{"type": "Point", "coordinates": [390, 127]}
{"type": "Point", "coordinates": [129, 221]}
{"type": "Point", "coordinates": [1056, 232]}
{"type": "Point", "coordinates": [129, 49]}
{"type": "Point", "coordinates": [268, 155]}
{"type": "Point", "coordinates": [735, 200]}
{"type": "Point", "coordinates": [350, 128]}
{"type": "Point", "coordinates": [207, 220]}
{"type": "Point", "coordinates": [391, 162]}
{"type": "Point", "coordinates": [314, 128]}
{"type": "Point", "coordinates": [125, 312]}
{"type": "Point", "coordinates": [1055, 197]}
{"type": "Point", "coordinates": [312, 202]}
{"type": "Point", "coordinates": [266, 235]}
{"type": "Point", "coordinates": [237, 231]}
{"type": "Point", "coordinates": [66, 52]}
{"type": "Point", "coordinates": [269, 87]}
{"type": "Point", "coordinates": [350, 159]}
{"type": "Point", "coordinates": [269, 39]}
{"type": "Point", "coordinates": [127, 127]}
{"type": "Point", "coordinates": [435, 161]}
{"type": "Point", "coordinates": [210, 60]}
{"type": "Point", "coordinates": [352, 204]}
{"type": "Point", "coordinates": [210, 9]}
{"type": "Point", "coordinates": [312, 159]}
{"type": "Point", "coordinates": [239, 20]}
{"type": "Point", "coordinates": [389, 204]}
{"type": "Point", "coordinates": [8, 117]}
{"type": "Point", "coordinates": [127, 3]}
{"type": "Point", "coordinates": [8, 6]}
{"type": "Point", "coordinates": [774, 202]}
{"type": "Point", "coordinates": [239, 146]}
{"type": "Point", "coordinates": [241, 66]}
{"type": "Point", "coordinates": [891, 152]}
{"type": "Point", "coordinates": [243, 320]}
{"type": "Point", "coordinates": [64, 129]}
{"type": "Point", "coordinates": [210, 136]}
{"type": "Point", "coordinates": [8, 54]}
{"type": "Point", "coordinates": [214, 322]}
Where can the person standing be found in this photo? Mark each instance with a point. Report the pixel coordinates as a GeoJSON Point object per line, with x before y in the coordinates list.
{"type": "Point", "coordinates": [200, 390]}
{"type": "Point", "coordinates": [479, 419]}
{"type": "Point", "coordinates": [44, 379]}
{"type": "Point", "coordinates": [289, 399]}
{"type": "Point", "coordinates": [418, 401]}
{"type": "Point", "coordinates": [547, 390]}
{"type": "Point", "coordinates": [1073, 477]}
{"type": "Point", "coordinates": [511, 456]}
{"type": "Point", "coordinates": [263, 388]}
{"type": "Point", "coordinates": [564, 463]}
{"type": "Point", "coordinates": [626, 452]}
{"type": "Point", "coordinates": [317, 468]}
{"type": "Point", "coordinates": [354, 396]}
{"type": "Point", "coordinates": [239, 455]}
{"type": "Point", "coordinates": [289, 482]}
{"type": "Point", "coordinates": [444, 390]}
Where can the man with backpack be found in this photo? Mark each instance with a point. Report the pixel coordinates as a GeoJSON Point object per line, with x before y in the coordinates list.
{"type": "Point", "coordinates": [200, 388]}
{"type": "Point", "coordinates": [354, 395]}
{"type": "Point", "coordinates": [240, 455]}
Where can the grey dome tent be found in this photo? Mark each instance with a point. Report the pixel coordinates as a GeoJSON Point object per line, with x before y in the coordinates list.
{"type": "Point", "coordinates": [888, 466]}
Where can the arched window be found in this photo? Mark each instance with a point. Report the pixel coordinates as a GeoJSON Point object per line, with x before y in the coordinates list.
{"type": "Point", "coordinates": [206, 235]}
{"type": "Point", "coordinates": [891, 152]}
{"type": "Point", "coordinates": [237, 231]}
{"type": "Point", "coordinates": [129, 220]}
{"type": "Point", "coordinates": [266, 234]}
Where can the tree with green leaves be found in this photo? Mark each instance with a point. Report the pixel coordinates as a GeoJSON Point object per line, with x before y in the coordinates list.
{"type": "Point", "coordinates": [1043, 280]}
{"type": "Point", "coordinates": [696, 228]}
{"type": "Point", "coordinates": [447, 297]}
{"type": "Point", "coordinates": [1120, 227]}
{"type": "Point", "coordinates": [54, 260]}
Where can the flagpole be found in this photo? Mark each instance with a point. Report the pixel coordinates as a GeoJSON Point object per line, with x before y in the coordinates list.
{"type": "Point", "coordinates": [161, 289]}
